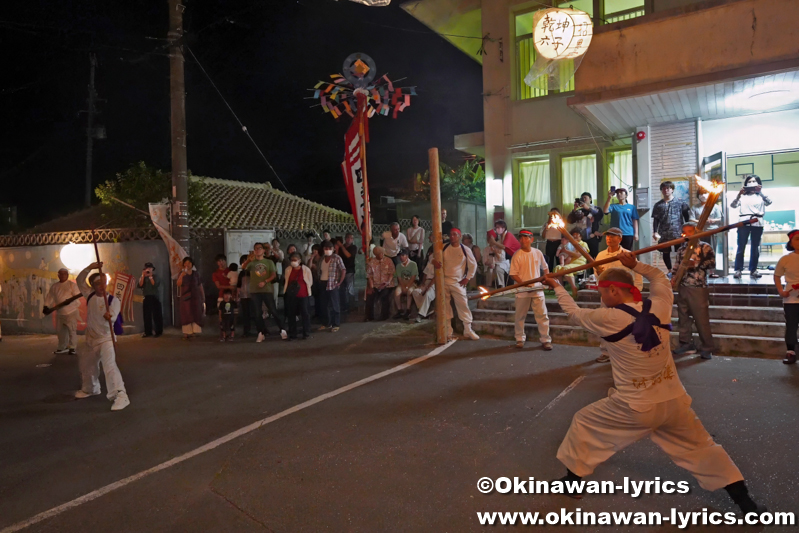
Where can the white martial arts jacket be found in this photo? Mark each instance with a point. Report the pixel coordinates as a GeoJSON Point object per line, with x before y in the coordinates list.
{"type": "Point", "coordinates": [459, 263]}
{"type": "Point", "coordinates": [639, 377]}
{"type": "Point", "coordinates": [60, 292]}
{"type": "Point", "coordinates": [97, 327]}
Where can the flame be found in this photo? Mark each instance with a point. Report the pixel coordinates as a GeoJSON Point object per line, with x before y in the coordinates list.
{"type": "Point", "coordinates": [556, 222]}
{"type": "Point", "coordinates": [709, 186]}
{"type": "Point", "coordinates": [484, 293]}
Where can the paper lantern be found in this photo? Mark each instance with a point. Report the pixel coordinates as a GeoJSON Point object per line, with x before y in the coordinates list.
{"type": "Point", "coordinates": [76, 257]}
{"type": "Point", "coordinates": [562, 33]}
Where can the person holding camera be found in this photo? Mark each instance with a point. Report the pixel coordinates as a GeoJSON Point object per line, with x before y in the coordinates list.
{"type": "Point", "coordinates": [751, 203]}
{"type": "Point", "coordinates": [153, 316]}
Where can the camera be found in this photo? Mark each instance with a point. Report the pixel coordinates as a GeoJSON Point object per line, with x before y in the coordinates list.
{"type": "Point", "coordinates": [578, 201]}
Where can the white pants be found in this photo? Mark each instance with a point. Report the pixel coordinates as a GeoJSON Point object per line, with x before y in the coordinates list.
{"type": "Point", "coordinates": [605, 427]}
{"type": "Point", "coordinates": [453, 289]}
{"type": "Point", "coordinates": [398, 298]}
{"type": "Point", "coordinates": [90, 359]}
{"type": "Point", "coordinates": [67, 331]}
{"type": "Point", "coordinates": [539, 304]}
{"type": "Point", "coordinates": [502, 268]}
{"type": "Point", "coordinates": [423, 301]}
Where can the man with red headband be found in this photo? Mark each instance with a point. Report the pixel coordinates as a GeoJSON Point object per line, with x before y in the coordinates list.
{"type": "Point", "coordinates": [648, 399]}
{"type": "Point", "coordinates": [459, 267]}
{"type": "Point", "coordinates": [527, 264]}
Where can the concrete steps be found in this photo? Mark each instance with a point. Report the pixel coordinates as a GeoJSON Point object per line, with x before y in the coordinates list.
{"type": "Point", "coordinates": [746, 320]}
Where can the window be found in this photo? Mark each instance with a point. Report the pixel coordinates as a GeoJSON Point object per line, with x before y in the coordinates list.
{"type": "Point", "coordinates": [616, 10]}
{"type": "Point", "coordinates": [578, 175]}
{"type": "Point", "coordinates": [620, 171]}
{"type": "Point", "coordinates": [526, 56]}
{"type": "Point", "coordinates": [534, 198]}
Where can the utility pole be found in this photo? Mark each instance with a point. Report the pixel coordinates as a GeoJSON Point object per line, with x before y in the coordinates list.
{"type": "Point", "coordinates": [90, 130]}
{"type": "Point", "coordinates": [438, 246]}
{"type": "Point", "coordinates": [180, 191]}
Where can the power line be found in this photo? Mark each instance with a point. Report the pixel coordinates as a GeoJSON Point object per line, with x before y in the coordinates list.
{"type": "Point", "coordinates": [243, 127]}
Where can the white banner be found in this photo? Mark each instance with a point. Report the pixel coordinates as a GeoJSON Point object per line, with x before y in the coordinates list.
{"type": "Point", "coordinates": [160, 216]}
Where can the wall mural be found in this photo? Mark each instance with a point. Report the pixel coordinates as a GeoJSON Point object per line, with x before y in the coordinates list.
{"type": "Point", "coordinates": [26, 275]}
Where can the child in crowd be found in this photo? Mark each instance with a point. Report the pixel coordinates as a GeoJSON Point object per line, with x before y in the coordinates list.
{"type": "Point", "coordinates": [492, 257]}
{"type": "Point", "coordinates": [788, 266]}
{"type": "Point", "coordinates": [233, 276]}
{"type": "Point", "coordinates": [573, 257]}
{"type": "Point", "coordinates": [565, 251]}
{"type": "Point", "coordinates": [227, 317]}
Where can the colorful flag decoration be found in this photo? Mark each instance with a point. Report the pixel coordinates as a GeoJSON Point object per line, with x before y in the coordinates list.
{"type": "Point", "coordinates": [337, 97]}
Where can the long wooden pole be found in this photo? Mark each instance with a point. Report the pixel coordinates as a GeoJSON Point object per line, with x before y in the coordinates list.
{"type": "Point", "coordinates": [438, 246]}
{"type": "Point", "coordinates": [105, 297]}
{"type": "Point", "coordinates": [700, 225]}
{"type": "Point", "coordinates": [485, 294]}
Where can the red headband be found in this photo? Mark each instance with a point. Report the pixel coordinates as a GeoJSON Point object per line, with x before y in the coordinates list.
{"type": "Point", "coordinates": [633, 289]}
{"type": "Point", "coordinates": [456, 230]}
{"type": "Point", "coordinates": [525, 233]}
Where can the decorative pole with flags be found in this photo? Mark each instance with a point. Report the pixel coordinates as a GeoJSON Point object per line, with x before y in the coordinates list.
{"type": "Point", "coordinates": [361, 95]}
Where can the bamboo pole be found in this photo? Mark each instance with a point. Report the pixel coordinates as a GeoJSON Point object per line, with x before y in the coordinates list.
{"type": "Point", "coordinates": [486, 294]}
{"type": "Point", "coordinates": [712, 198]}
{"type": "Point", "coordinates": [105, 297]}
{"type": "Point", "coordinates": [438, 246]}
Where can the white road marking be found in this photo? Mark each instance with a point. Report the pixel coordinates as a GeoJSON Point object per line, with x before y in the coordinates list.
{"type": "Point", "coordinates": [55, 511]}
{"type": "Point", "coordinates": [558, 397]}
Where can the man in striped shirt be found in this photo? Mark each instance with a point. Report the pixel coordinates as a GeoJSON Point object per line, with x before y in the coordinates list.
{"type": "Point", "coordinates": [332, 272]}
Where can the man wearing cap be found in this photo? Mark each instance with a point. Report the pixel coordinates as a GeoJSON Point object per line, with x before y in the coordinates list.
{"type": "Point", "coordinates": [693, 296]}
{"type": "Point", "coordinates": [67, 316]}
{"type": "Point", "coordinates": [613, 238]}
{"type": "Point", "coordinates": [528, 263]}
{"type": "Point", "coordinates": [405, 275]}
{"type": "Point", "coordinates": [150, 287]}
{"type": "Point", "coordinates": [459, 267]}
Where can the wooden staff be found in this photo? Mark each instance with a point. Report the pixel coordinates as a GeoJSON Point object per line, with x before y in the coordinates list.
{"type": "Point", "coordinates": [486, 294]}
{"type": "Point", "coordinates": [438, 246]}
{"type": "Point", "coordinates": [557, 222]}
{"type": "Point", "coordinates": [105, 297]}
{"type": "Point", "coordinates": [713, 191]}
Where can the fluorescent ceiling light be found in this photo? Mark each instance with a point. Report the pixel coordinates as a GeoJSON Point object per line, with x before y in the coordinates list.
{"type": "Point", "coordinates": [765, 97]}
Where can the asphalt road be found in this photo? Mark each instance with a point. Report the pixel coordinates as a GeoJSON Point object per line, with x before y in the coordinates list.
{"type": "Point", "coordinates": [401, 453]}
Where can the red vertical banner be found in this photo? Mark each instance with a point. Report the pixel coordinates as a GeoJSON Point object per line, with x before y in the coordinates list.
{"type": "Point", "coordinates": [354, 170]}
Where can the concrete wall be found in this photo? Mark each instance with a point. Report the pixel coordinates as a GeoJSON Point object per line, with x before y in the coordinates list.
{"type": "Point", "coordinates": [26, 274]}
{"type": "Point", "coordinates": [735, 35]}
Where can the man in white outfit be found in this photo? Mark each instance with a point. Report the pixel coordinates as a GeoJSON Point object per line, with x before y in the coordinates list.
{"type": "Point", "coordinates": [425, 293]}
{"type": "Point", "coordinates": [648, 399]}
{"type": "Point", "coordinates": [67, 316]}
{"type": "Point", "coordinates": [99, 344]}
{"type": "Point", "coordinates": [459, 267]}
{"type": "Point", "coordinates": [527, 264]}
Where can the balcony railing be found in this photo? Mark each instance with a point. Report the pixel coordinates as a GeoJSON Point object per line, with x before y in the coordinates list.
{"type": "Point", "coordinates": [525, 57]}
{"type": "Point", "coordinates": [627, 14]}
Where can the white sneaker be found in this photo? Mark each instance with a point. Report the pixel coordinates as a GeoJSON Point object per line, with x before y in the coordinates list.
{"type": "Point", "coordinates": [470, 334]}
{"type": "Point", "coordinates": [260, 338]}
{"type": "Point", "coordinates": [59, 351]}
{"type": "Point", "coordinates": [121, 401]}
{"type": "Point", "coordinates": [283, 334]}
{"type": "Point", "coordinates": [79, 394]}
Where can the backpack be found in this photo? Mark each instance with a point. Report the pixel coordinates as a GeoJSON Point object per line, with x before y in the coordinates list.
{"type": "Point", "coordinates": [118, 323]}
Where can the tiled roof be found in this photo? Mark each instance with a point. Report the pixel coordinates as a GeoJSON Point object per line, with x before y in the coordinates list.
{"type": "Point", "coordinates": [242, 205]}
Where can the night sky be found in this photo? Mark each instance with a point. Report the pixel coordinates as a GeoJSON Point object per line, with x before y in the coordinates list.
{"type": "Point", "coordinates": [262, 54]}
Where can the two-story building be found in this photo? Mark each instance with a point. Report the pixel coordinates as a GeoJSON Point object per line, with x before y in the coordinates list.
{"type": "Point", "coordinates": [708, 83]}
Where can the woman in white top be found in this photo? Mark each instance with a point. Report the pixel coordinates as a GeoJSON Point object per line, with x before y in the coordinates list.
{"type": "Point", "coordinates": [552, 237]}
{"type": "Point", "coordinates": [416, 242]}
{"type": "Point", "coordinates": [751, 202]}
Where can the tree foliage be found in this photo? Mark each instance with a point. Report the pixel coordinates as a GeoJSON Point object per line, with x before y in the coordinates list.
{"type": "Point", "coordinates": [466, 182]}
{"type": "Point", "coordinates": [141, 185]}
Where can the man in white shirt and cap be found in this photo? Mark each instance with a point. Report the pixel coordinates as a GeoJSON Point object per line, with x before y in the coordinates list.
{"type": "Point", "coordinates": [648, 398]}
{"type": "Point", "coordinates": [99, 342]}
{"type": "Point", "coordinates": [459, 267]}
{"type": "Point", "coordinates": [526, 264]}
{"type": "Point", "coordinates": [67, 316]}
{"type": "Point", "coordinates": [393, 242]}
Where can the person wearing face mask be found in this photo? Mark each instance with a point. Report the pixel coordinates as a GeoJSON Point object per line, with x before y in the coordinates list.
{"type": "Point", "coordinates": [296, 292]}
{"type": "Point", "coordinates": [501, 240]}
{"type": "Point", "coordinates": [751, 203]}
{"type": "Point", "coordinates": [331, 273]}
